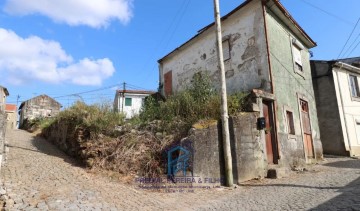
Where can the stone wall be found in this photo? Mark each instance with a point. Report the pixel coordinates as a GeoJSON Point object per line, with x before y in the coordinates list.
{"type": "Point", "coordinates": [249, 160]}
{"type": "Point", "coordinates": [41, 106]}
{"type": "Point", "coordinates": [2, 134]}
{"type": "Point", "coordinates": [247, 150]}
{"type": "Point", "coordinates": [66, 137]}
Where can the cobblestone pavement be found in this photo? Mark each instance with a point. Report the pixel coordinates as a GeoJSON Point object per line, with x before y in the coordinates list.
{"type": "Point", "coordinates": [37, 176]}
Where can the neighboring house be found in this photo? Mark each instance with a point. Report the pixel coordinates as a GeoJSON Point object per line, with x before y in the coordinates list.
{"type": "Point", "coordinates": [38, 107]}
{"type": "Point", "coordinates": [3, 94]}
{"type": "Point", "coordinates": [11, 116]}
{"type": "Point", "coordinates": [265, 53]}
{"type": "Point", "coordinates": [130, 102]}
{"type": "Point", "coordinates": [337, 92]}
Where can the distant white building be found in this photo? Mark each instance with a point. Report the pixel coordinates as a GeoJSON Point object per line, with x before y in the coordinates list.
{"type": "Point", "coordinates": [130, 102]}
{"type": "Point", "coordinates": [337, 94]}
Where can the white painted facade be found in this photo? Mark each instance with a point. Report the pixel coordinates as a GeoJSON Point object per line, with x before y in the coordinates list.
{"type": "Point", "coordinates": [349, 106]}
{"type": "Point", "coordinates": [130, 102]}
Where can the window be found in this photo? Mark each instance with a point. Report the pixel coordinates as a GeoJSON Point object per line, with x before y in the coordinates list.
{"type": "Point", "coordinates": [290, 122]}
{"type": "Point", "coordinates": [128, 101]}
{"type": "Point", "coordinates": [297, 58]}
{"type": "Point", "coordinates": [142, 101]}
{"type": "Point", "coordinates": [354, 85]}
{"type": "Point", "coordinates": [226, 49]}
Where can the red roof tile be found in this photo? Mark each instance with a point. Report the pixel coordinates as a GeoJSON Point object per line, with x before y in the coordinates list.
{"type": "Point", "coordinates": [10, 107]}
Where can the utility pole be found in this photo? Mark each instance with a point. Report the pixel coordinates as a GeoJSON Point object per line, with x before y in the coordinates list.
{"type": "Point", "coordinates": [224, 107]}
{"type": "Point", "coordinates": [17, 100]}
{"type": "Point", "coordinates": [123, 97]}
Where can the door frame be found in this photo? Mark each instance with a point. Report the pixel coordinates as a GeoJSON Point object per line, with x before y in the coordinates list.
{"type": "Point", "coordinates": [304, 98]}
{"type": "Point", "coordinates": [272, 119]}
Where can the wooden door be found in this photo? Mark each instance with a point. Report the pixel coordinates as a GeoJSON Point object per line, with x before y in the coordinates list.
{"type": "Point", "coordinates": [306, 125]}
{"type": "Point", "coordinates": [168, 83]}
{"type": "Point", "coordinates": [271, 148]}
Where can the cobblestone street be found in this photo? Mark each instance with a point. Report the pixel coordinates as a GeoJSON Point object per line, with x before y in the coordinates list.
{"type": "Point", "coordinates": [37, 176]}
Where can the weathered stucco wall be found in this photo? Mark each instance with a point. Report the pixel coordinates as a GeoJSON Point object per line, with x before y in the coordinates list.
{"type": "Point", "coordinates": [247, 150]}
{"type": "Point", "coordinates": [327, 108]}
{"type": "Point", "coordinates": [2, 99]}
{"type": "Point", "coordinates": [247, 67]}
{"type": "Point", "coordinates": [289, 86]}
{"type": "Point", "coordinates": [249, 160]}
{"type": "Point", "coordinates": [207, 155]}
{"type": "Point", "coordinates": [11, 119]}
{"type": "Point", "coordinates": [2, 134]}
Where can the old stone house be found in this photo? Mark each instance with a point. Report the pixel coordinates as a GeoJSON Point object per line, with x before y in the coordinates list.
{"type": "Point", "coordinates": [337, 92]}
{"type": "Point", "coordinates": [41, 106]}
{"type": "Point", "coordinates": [11, 116]}
{"type": "Point", "coordinates": [266, 53]}
{"type": "Point", "coordinates": [3, 94]}
{"type": "Point", "coordinates": [130, 102]}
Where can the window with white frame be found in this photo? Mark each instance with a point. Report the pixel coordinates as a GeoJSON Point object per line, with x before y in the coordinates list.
{"type": "Point", "coordinates": [297, 57]}
{"type": "Point", "coordinates": [354, 86]}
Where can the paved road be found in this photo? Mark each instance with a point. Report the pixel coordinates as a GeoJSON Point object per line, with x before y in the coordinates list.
{"type": "Point", "coordinates": [37, 176]}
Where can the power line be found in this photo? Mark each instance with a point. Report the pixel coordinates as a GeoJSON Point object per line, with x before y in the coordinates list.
{"type": "Point", "coordinates": [328, 13]}
{"type": "Point", "coordinates": [349, 38]}
{"type": "Point", "coordinates": [175, 22]}
{"type": "Point", "coordinates": [354, 48]}
{"type": "Point", "coordinates": [95, 90]}
{"type": "Point", "coordinates": [352, 44]}
{"type": "Point", "coordinates": [183, 11]}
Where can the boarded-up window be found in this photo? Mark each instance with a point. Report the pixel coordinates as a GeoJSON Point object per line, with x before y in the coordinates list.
{"type": "Point", "coordinates": [226, 49]}
{"type": "Point", "coordinates": [305, 116]}
{"type": "Point", "coordinates": [290, 122]}
{"type": "Point", "coordinates": [128, 101]}
{"type": "Point", "coordinates": [354, 85]}
{"type": "Point", "coordinates": [297, 57]}
{"type": "Point", "coordinates": [168, 83]}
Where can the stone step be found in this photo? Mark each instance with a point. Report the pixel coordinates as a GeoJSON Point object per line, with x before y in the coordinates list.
{"type": "Point", "coordinates": [276, 172]}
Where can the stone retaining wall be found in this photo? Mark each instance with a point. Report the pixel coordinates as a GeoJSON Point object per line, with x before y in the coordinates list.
{"type": "Point", "coordinates": [248, 155]}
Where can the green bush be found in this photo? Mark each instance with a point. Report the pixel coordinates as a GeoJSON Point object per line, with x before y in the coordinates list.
{"type": "Point", "coordinates": [198, 101]}
{"type": "Point", "coordinates": [98, 118]}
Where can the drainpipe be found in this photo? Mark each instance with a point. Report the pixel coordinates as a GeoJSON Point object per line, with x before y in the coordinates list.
{"type": "Point", "coordinates": [343, 107]}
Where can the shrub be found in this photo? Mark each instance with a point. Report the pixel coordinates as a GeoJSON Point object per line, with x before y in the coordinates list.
{"type": "Point", "coordinates": [198, 101]}
{"type": "Point", "coordinates": [98, 118]}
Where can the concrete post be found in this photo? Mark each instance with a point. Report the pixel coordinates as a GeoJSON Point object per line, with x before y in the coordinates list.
{"type": "Point", "coordinates": [224, 107]}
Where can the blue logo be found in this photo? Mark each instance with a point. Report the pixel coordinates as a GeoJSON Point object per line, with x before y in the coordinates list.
{"type": "Point", "coordinates": [180, 163]}
{"type": "Point", "coordinates": [179, 159]}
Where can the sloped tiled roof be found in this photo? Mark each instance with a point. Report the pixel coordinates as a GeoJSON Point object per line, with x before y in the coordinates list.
{"type": "Point", "coordinates": [10, 107]}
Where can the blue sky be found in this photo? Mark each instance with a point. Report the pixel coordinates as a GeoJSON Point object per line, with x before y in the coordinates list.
{"type": "Point", "coordinates": [65, 47]}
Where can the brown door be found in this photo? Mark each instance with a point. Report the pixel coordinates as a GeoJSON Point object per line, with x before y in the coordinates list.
{"type": "Point", "coordinates": [168, 83]}
{"type": "Point", "coordinates": [271, 148]}
{"type": "Point", "coordinates": [306, 128]}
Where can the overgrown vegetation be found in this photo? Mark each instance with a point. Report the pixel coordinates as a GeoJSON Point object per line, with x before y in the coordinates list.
{"type": "Point", "coordinates": [101, 138]}
{"type": "Point", "coordinates": [199, 101]}
{"type": "Point", "coordinates": [97, 118]}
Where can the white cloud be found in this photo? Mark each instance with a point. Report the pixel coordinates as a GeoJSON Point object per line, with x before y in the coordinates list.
{"type": "Point", "coordinates": [32, 58]}
{"type": "Point", "coordinates": [93, 13]}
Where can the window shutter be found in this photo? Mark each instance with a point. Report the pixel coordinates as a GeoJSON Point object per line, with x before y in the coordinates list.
{"type": "Point", "coordinates": [297, 55]}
